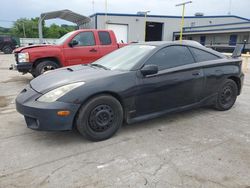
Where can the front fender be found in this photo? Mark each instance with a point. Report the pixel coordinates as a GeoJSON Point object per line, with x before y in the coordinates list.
{"type": "Point", "coordinates": [38, 53]}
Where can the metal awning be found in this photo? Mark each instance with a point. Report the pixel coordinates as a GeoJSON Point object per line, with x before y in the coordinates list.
{"type": "Point", "coordinates": [62, 14]}
{"type": "Point", "coordinates": [66, 15]}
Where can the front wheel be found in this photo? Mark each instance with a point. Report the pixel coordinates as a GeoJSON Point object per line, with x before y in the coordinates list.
{"type": "Point", "coordinates": [7, 50]}
{"type": "Point", "coordinates": [100, 118]}
{"type": "Point", "coordinates": [227, 95]}
{"type": "Point", "coordinates": [44, 66]}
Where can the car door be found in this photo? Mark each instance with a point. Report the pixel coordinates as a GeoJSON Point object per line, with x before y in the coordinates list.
{"type": "Point", "coordinates": [213, 73]}
{"type": "Point", "coordinates": [86, 51]}
{"type": "Point", "coordinates": [177, 84]}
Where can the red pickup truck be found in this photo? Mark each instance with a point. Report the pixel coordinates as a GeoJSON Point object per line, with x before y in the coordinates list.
{"type": "Point", "coordinates": [77, 47]}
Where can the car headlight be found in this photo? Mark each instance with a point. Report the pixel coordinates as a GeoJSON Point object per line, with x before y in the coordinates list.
{"type": "Point", "coordinates": [23, 57]}
{"type": "Point", "coordinates": [55, 94]}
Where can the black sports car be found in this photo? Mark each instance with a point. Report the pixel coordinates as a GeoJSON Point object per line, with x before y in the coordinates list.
{"type": "Point", "coordinates": [135, 83]}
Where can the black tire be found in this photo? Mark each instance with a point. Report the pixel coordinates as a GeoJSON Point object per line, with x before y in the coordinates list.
{"type": "Point", "coordinates": [7, 50]}
{"type": "Point", "coordinates": [44, 66]}
{"type": "Point", "coordinates": [100, 118]}
{"type": "Point", "coordinates": [227, 95]}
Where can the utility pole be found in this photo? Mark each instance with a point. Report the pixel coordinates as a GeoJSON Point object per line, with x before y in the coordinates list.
{"type": "Point", "coordinates": [230, 7]}
{"type": "Point", "coordinates": [106, 13]}
{"type": "Point", "coordinates": [182, 18]}
{"type": "Point", "coordinates": [24, 33]}
{"type": "Point", "coordinates": [93, 6]}
{"type": "Point", "coordinates": [145, 13]}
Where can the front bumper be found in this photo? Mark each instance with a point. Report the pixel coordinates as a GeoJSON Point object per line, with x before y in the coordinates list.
{"type": "Point", "coordinates": [43, 116]}
{"type": "Point", "coordinates": [22, 67]}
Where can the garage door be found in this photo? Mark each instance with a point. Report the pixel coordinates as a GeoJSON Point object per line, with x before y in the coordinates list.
{"type": "Point", "coordinates": [121, 31]}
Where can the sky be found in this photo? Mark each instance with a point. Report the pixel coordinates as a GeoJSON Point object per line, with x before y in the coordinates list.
{"type": "Point", "coordinates": [14, 9]}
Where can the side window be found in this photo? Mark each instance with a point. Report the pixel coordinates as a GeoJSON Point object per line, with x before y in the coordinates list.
{"type": "Point", "coordinates": [172, 56]}
{"type": "Point", "coordinates": [201, 55]}
{"type": "Point", "coordinates": [104, 37]}
{"type": "Point", "coordinates": [85, 39]}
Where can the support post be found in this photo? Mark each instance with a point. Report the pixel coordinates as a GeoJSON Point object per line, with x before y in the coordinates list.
{"type": "Point", "coordinates": [145, 23]}
{"type": "Point", "coordinates": [40, 30]}
{"type": "Point", "coordinates": [106, 14]}
{"type": "Point", "coordinates": [182, 22]}
{"type": "Point", "coordinates": [182, 17]}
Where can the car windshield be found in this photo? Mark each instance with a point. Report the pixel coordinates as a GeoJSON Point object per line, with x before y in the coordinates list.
{"type": "Point", "coordinates": [61, 40]}
{"type": "Point", "coordinates": [124, 58]}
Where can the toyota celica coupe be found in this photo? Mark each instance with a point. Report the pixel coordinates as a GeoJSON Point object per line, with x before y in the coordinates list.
{"type": "Point", "coordinates": [135, 83]}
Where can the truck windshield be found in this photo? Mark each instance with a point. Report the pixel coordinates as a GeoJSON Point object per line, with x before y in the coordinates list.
{"type": "Point", "coordinates": [124, 58]}
{"type": "Point", "coordinates": [61, 40]}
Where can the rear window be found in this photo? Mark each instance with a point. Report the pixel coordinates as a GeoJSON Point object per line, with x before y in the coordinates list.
{"type": "Point", "coordinates": [104, 37]}
{"type": "Point", "coordinates": [201, 55]}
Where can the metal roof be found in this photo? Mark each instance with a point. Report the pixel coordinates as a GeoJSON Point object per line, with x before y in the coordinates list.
{"type": "Point", "coordinates": [166, 16]}
{"type": "Point", "coordinates": [63, 14]}
{"type": "Point", "coordinates": [66, 15]}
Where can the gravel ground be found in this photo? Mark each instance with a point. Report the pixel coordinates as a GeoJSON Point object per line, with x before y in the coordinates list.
{"type": "Point", "coordinates": [198, 148]}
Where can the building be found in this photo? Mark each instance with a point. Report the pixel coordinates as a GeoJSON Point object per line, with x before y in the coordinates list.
{"type": "Point", "coordinates": [217, 31]}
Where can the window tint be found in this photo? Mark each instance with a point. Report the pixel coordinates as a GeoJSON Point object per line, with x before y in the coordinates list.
{"type": "Point", "coordinates": [172, 56]}
{"type": "Point", "coordinates": [201, 55]}
{"type": "Point", "coordinates": [104, 37]}
{"type": "Point", "coordinates": [85, 39]}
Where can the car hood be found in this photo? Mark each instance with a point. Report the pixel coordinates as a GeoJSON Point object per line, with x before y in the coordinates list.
{"type": "Point", "coordinates": [67, 75]}
{"type": "Point", "coordinates": [20, 49]}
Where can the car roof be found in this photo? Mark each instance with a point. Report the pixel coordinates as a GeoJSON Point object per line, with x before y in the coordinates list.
{"type": "Point", "coordinates": [161, 44]}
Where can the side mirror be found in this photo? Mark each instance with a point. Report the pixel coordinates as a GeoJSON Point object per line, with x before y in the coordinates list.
{"type": "Point", "coordinates": [149, 70]}
{"type": "Point", "coordinates": [73, 43]}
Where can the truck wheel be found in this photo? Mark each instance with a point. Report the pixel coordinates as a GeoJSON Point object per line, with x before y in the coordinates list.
{"type": "Point", "coordinates": [227, 95]}
{"type": "Point", "coordinates": [100, 118]}
{"type": "Point", "coordinates": [44, 66]}
{"type": "Point", "coordinates": [7, 49]}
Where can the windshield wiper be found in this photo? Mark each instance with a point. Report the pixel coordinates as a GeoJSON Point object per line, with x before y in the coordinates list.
{"type": "Point", "coordinates": [100, 66]}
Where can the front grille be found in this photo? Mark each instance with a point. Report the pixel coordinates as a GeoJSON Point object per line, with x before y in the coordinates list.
{"type": "Point", "coordinates": [32, 123]}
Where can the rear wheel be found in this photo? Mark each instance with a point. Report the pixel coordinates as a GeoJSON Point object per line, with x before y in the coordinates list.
{"type": "Point", "coordinates": [7, 49]}
{"type": "Point", "coordinates": [227, 95]}
{"type": "Point", "coordinates": [100, 118]}
{"type": "Point", "coordinates": [43, 67]}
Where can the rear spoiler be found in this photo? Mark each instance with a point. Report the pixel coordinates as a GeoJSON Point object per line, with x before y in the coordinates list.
{"type": "Point", "coordinates": [237, 50]}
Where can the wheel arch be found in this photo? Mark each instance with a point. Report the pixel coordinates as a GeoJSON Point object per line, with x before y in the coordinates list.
{"type": "Point", "coordinates": [111, 93]}
{"type": "Point", "coordinates": [39, 60]}
{"type": "Point", "coordinates": [237, 81]}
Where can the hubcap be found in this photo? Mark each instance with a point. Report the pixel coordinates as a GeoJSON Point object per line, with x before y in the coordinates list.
{"type": "Point", "coordinates": [101, 118]}
{"type": "Point", "coordinates": [226, 95]}
{"type": "Point", "coordinates": [47, 68]}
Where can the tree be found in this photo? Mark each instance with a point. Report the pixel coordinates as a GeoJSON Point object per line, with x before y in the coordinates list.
{"type": "Point", "coordinates": [5, 31]}
{"type": "Point", "coordinates": [28, 28]}
{"type": "Point", "coordinates": [24, 27]}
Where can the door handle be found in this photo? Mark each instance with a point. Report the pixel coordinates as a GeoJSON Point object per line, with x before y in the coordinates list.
{"type": "Point", "coordinates": [93, 50]}
{"type": "Point", "coordinates": [196, 73]}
